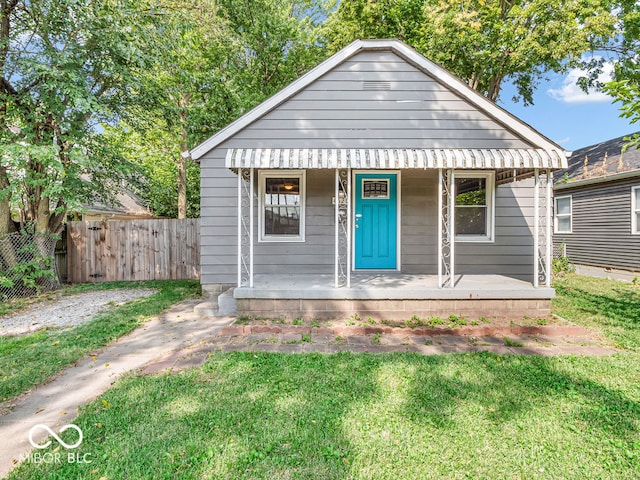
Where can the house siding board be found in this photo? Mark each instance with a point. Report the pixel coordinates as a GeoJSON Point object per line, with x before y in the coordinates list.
{"type": "Point", "coordinates": [335, 112]}
{"type": "Point", "coordinates": [601, 234]}
{"type": "Point", "coordinates": [218, 227]}
{"type": "Point", "coordinates": [511, 254]}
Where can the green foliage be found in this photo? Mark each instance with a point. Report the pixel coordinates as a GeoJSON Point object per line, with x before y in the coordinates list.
{"type": "Point", "coordinates": [561, 265]}
{"type": "Point", "coordinates": [484, 42]}
{"type": "Point", "coordinates": [65, 67]}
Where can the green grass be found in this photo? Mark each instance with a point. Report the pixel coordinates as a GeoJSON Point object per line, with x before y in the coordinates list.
{"type": "Point", "coordinates": [27, 360]}
{"type": "Point", "coordinates": [362, 416]}
{"type": "Point", "coordinates": [313, 416]}
{"type": "Point", "coordinates": [610, 306]}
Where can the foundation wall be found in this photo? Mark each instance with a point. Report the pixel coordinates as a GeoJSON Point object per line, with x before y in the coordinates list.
{"type": "Point", "coordinates": [393, 309]}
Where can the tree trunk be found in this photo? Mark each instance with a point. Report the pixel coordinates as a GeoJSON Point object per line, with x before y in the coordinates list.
{"type": "Point", "coordinates": [183, 158]}
{"type": "Point", "coordinates": [6, 224]}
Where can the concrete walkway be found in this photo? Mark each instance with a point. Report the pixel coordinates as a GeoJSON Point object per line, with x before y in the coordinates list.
{"type": "Point", "coordinates": [56, 403]}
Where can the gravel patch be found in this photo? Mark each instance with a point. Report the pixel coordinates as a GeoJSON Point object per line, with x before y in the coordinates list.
{"type": "Point", "coordinates": [68, 311]}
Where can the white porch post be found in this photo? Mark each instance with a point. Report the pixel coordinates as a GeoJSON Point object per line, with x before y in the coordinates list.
{"type": "Point", "coordinates": [536, 229]}
{"type": "Point", "coordinates": [452, 226]}
{"type": "Point", "coordinates": [342, 219]}
{"type": "Point", "coordinates": [548, 233]}
{"type": "Point", "coordinates": [239, 227]}
{"type": "Point", "coordinates": [446, 228]}
{"type": "Point", "coordinates": [245, 226]}
{"type": "Point", "coordinates": [349, 230]}
{"type": "Point", "coordinates": [251, 215]}
{"type": "Point", "coordinates": [440, 221]}
{"type": "Point", "coordinates": [336, 267]}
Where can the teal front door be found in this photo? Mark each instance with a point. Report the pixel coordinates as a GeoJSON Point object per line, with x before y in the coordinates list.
{"type": "Point", "coordinates": [375, 220]}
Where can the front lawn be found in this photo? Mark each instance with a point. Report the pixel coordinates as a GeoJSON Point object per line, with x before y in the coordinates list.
{"type": "Point", "coordinates": [28, 360]}
{"type": "Point", "coordinates": [610, 306]}
{"type": "Point", "coordinates": [363, 416]}
{"type": "Point", "coordinates": [268, 416]}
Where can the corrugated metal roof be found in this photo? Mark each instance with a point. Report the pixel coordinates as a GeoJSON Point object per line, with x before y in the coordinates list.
{"type": "Point", "coordinates": [389, 158]}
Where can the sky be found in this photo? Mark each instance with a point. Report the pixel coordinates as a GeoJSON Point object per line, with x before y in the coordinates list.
{"type": "Point", "coordinates": [567, 115]}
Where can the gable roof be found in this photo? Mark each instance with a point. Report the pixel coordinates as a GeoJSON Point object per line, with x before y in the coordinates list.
{"type": "Point", "coordinates": [411, 56]}
{"type": "Point", "coordinates": [600, 162]}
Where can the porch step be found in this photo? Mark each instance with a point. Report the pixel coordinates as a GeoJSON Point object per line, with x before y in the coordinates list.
{"type": "Point", "coordinates": [222, 306]}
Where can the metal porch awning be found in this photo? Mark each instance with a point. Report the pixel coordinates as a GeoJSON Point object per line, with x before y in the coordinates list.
{"type": "Point", "coordinates": [391, 158]}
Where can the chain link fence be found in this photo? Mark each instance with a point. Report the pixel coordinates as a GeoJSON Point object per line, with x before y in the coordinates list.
{"type": "Point", "coordinates": [560, 250]}
{"type": "Point", "coordinates": [27, 265]}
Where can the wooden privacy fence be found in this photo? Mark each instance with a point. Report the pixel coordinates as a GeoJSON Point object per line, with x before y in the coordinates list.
{"type": "Point", "coordinates": [133, 250]}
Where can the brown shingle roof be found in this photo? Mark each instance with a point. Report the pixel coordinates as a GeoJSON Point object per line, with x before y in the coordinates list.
{"type": "Point", "coordinates": [600, 161]}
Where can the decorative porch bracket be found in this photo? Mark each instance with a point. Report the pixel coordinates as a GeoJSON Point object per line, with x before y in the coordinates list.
{"type": "Point", "coordinates": [245, 227]}
{"type": "Point", "coordinates": [446, 228]}
{"type": "Point", "coordinates": [343, 228]}
{"type": "Point", "coordinates": [542, 239]}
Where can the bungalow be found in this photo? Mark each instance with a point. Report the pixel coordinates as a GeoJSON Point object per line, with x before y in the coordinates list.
{"type": "Point", "coordinates": [378, 184]}
{"type": "Point", "coordinates": [597, 210]}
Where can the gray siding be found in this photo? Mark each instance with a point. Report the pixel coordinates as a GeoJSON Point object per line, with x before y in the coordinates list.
{"type": "Point", "coordinates": [343, 110]}
{"type": "Point", "coordinates": [218, 221]}
{"type": "Point", "coordinates": [337, 111]}
{"type": "Point", "coordinates": [511, 254]}
{"type": "Point", "coordinates": [601, 234]}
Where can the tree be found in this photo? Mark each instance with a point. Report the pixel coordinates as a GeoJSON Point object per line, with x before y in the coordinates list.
{"type": "Point", "coordinates": [213, 61]}
{"type": "Point", "coordinates": [485, 42]}
{"type": "Point", "coordinates": [625, 88]}
{"type": "Point", "coordinates": [65, 67]}
{"type": "Point", "coordinates": [181, 93]}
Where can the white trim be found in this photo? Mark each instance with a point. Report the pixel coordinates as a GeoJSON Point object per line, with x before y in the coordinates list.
{"type": "Point", "coordinates": [251, 222]}
{"type": "Point", "coordinates": [547, 233]}
{"type": "Point", "coordinates": [398, 175]}
{"type": "Point", "coordinates": [407, 53]}
{"type": "Point", "coordinates": [336, 219]}
{"type": "Point", "coordinates": [349, 230]}
{"type": "Point", "coordinates": [635, 211]}
{"type": "Point", "coordinates": [452, 228]}
{"type": "Point", "coordinates": [555, 214]}
{"type": "Point", "coordinates": [536, 229]}
{"type": "Point", "coordinates": [440, 205]}
{"type": "Point", "coordinates": [490, 177]}
{"type": "Point", "coordinates": [239, 228]}
{"type": "Point", "coordinates": [264, 174]}
{"type": "Point", "coordinates": [591, 181]}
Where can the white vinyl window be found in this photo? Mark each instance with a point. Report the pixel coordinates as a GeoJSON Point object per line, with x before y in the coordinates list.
{"type": "Point", "coordinates": [282, 205]}
{"type": "Point", "coordinates": [635, 210]}
{"type": "Point", "coordinates": [474, 206]}
{"type": "Point", "coordinates": [563, 217]}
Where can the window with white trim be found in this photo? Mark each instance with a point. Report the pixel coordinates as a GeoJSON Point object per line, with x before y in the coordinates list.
{"type": "Point", "coordinates": [563, 214]}
{"type": "Point", "coordinates": [474, 206]}
{"type": "Point", "coordinates": [635, 210]}
{"type": "Point", "coordinates": [281, 205]}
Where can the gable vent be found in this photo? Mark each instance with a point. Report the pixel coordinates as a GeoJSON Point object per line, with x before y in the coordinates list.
{"type": "Point", "coordinates": [376, 85]}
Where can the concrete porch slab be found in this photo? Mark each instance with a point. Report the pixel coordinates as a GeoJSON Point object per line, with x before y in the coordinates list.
{"type": "Point", "coordinates": [391, 286]}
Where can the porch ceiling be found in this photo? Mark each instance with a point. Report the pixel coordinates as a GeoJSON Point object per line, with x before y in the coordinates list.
{"type": "Point", "coordinates": [390, 158]}
{"type": "Point", "coordinates": [391, 286]}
